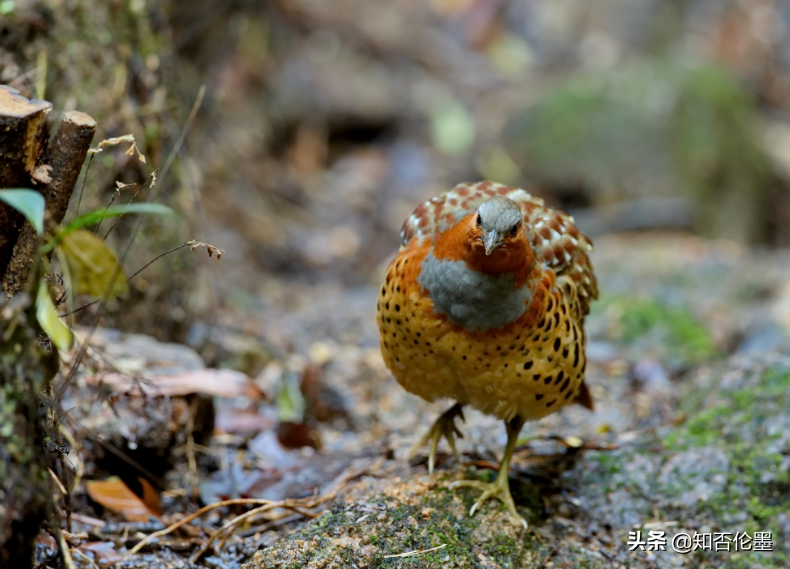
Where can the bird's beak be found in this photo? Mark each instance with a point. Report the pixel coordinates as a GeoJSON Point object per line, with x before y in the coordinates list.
{"type": "Point", "coordinates": [490, 241]}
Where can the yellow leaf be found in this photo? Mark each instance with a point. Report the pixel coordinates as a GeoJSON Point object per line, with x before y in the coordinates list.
{"type": "Point", "coordinates": [50, 322]}
{"type": "Point", "coordinates": [92, 264]}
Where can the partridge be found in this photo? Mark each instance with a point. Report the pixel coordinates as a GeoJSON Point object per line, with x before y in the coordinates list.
{"type": "Point", "coordinates": [484, 304]}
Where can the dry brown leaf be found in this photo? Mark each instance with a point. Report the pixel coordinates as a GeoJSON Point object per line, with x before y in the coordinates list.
{"type": "Point", "coordinates": [118, 140]}
{"type": "Point", "coordinates": [210, 248]}
{"type": "Point", "coordinates": [115, 495]}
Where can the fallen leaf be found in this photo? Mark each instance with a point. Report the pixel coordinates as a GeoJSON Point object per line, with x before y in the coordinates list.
{"type": "Point", "coordinates": [114, 495]}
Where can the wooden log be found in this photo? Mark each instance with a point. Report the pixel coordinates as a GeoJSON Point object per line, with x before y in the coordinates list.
{"type": "Point", "coordinates": [22, 139]}
{"type": "Point", "coordinates": [59, 169]}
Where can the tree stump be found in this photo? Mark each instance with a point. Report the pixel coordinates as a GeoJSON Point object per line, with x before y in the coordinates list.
{"type": "Point", "coordinates": [27, 360]}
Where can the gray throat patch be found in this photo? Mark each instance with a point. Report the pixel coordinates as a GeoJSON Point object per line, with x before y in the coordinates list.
{"type": "Point", "coordinates": [470, 298]}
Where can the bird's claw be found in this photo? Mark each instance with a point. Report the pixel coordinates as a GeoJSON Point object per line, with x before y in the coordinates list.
{"type": "Point", "coordinates": [444, 426]}
{"type": "Point", "coordinates": [499, 489]}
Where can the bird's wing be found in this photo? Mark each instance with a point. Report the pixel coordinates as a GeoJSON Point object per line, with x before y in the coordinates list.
{"type": "Point", "coordinates": [555, 239]}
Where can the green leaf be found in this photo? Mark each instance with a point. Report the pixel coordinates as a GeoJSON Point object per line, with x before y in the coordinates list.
{"type": "Point", "coordinates": [29, 203]}
{"type": "Point", "coordinates": [49, 320]}
{"type": "Point", "coordinates": [113, 211]}
{"type": "Point", "coordinates": [92, 264]}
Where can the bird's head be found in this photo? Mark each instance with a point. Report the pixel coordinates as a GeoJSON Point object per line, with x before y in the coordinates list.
{"type": "Point", "coordinates": [498, 222]}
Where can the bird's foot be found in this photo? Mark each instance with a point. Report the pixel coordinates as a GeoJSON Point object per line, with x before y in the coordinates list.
{"type": "Point", "coordinates": [499, 489]}
{"type": "Point", "coordinates": [445, 427]}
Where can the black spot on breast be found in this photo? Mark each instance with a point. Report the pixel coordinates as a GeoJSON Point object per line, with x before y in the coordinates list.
{"type": "Point", "coordinates": [528, 365]}
{"type": "Point", "coordinates": [498, 348]}
{"type": "Point", "coordinates": [542, 322]}
{"type": "Point", "coordinates": [488, 365]}
{"type": "Point", "coordinates": [387, 306]}
{"type": "Point", "coordinates": [453, 348]}
{"type": "Point", "coordinates": [464, 357]}
{"type": "Point", "coordinates": [389, 320]}
{"type": "Point", "coordinates": [537, 337]}
{"type": "Point", "coordinates": [427, 344]}
{"type": "Point", "coordinates": [385, 344]}
{"type": "Point", "coordinates": [419, 334]}
{"type": "Point", "coordinates": [550, 403]}
{"type": "Point", "coordinates": [565, 352]}
{"type": "Point", "coordinates": [538, 396]}
{"type": "Point", "coordinates": [568, 326]}
{"type": "Point", "coordinates": [565, 385]}
{"type": "Point", "coordinates": [512, 347]}
{"type": "Point", "coordinates": [384, 290]}
{"type": "Point", "coordinates": [557, 344]}
{"type": "Point", "coordinates": [505, 365]}
{"type": "Point", "coordinates": [560, 377]}
{"type": "Point", "coordinates": [536, 377]}
{"type": "Point", "coordinates": [416, 343]}
{"type": "Point", "coordinates": [568, 395]}
{"type": "Point", "coordinates": [547, 379]}
{"type": "Point", "coordinates": [397, 308]}
{"type": "Point", "coordinates": [398, 322]}
{"type": "Point", "coordinates": [394, 335]}
{"type": "Point", "coordinates": [576, 355]}
{"type": "Point", "coordinates": [563, 308]}
{"type": "Point", "coordinates": [556, 318]}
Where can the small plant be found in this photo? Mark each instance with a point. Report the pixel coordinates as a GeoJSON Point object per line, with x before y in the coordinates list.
{"type": "Point", "coordinates": [89, 264]}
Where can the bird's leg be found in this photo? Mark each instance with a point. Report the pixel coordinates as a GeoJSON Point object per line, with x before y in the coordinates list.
{"type": "Point", "coordinates": [443, 426]}
{"type": "Point", "coordinates": [500, 488]}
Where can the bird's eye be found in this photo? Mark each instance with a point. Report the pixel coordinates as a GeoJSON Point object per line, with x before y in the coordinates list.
{"type": "Point", "coordinates": [514, 230]}
{"type": "Point", "coordinates": [479, 220]}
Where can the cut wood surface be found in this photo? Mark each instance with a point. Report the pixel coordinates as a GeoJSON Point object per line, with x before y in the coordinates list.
{"type": "Point", "coordinates": [57, 174]}
{"type": "Point", "coordinates": [22, 138]}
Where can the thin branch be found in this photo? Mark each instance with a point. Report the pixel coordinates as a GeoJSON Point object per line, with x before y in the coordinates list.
{"type": "Point", "coordinates": [82, 188]}
{"type": "Point", "coordinates": [152, 261]}
{"type": "Point", "coordinates": [152, 180]}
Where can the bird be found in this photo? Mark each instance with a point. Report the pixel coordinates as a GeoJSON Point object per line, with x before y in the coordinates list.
{"type": "Point", "coordinates": [484, 304]}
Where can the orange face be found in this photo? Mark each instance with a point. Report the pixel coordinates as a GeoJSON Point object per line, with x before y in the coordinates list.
{"type": "Point", "coordinates": [465, 242]}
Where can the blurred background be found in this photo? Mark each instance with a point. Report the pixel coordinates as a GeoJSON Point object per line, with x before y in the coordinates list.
{"type": "Point", "coordinates": [325, 123]}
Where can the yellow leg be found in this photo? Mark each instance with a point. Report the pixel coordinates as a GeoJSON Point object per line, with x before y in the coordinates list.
{"type": "Point", "coordinates": [500, 488]}
{"type": "Point", "coordinates": [443, 426]}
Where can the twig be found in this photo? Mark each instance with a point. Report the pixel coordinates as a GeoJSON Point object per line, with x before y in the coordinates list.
{"type": "Point", "coordinates": [65, 554]}
{"type": "Point", "coordinates": [189, 518]}
{"type": "Point", "coordinates": [57, 482]}
{"type": "Point", "coordinates": [415, 552]}
{"type": "Point", "coordinates": [295, 505]}
{"type": "Point", "coordinates": [83, 307]}
{"type": "Point", "coordinates": [152, 180]}
{"type": "Point", "coordinates": [152, 261]}
{"type": "Point", "coordinates": [228, 528]}
{"type": "Point", "coordinates": [82, 188]}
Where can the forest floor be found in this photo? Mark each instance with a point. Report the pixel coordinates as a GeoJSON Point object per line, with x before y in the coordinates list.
{"type": "Point", "coordinates": [689, 365]}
